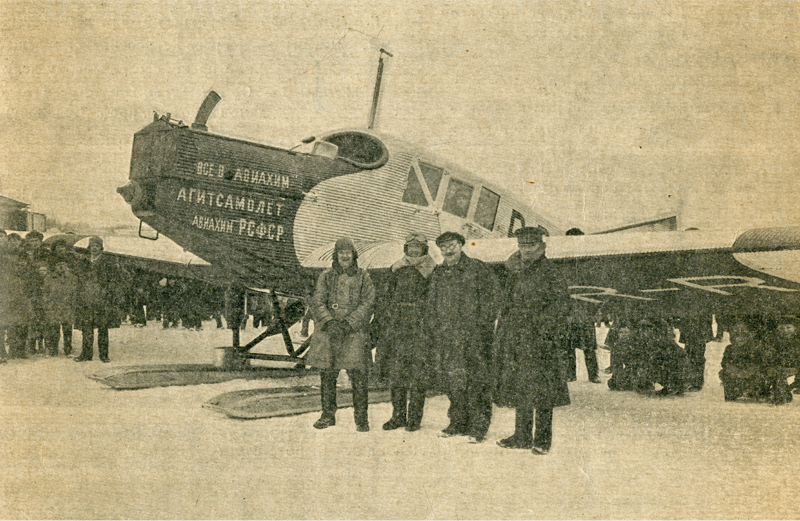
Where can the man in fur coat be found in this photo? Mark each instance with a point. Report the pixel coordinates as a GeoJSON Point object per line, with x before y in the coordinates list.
{"type": "Point", "coordinates": [342, 309]}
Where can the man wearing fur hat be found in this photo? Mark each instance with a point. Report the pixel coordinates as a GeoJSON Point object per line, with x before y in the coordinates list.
{"type": "Point", "coordinates": [460, 317]}
{"type": "Point", "coordinates": [98, 300]}
{"type": "Point", "coordinates": [406, 345]}
{"type": "Point", "coordinates": [528, 344]}
{"type": "Point", "coordinates": [342, 308]}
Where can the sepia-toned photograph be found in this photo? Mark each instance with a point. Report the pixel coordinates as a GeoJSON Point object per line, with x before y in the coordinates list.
{"type": "Point", "coordinates": [459, 259]}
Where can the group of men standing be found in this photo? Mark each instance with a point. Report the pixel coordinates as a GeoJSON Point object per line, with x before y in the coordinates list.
{"type": "Point", "coordinates": [47, 291]}
{"type": "Point", "coordinates": [450, 328]}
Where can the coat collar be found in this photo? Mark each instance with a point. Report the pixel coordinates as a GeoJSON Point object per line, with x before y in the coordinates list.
{"type": "Point", "coordinates": [351, 271]}
{"type": "Point", "coordinates": [425, 265]}
{"type": "Point", "coordinates": [516, 264]}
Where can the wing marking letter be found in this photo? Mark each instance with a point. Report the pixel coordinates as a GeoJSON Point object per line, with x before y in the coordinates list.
{"type": "Point", "coordinates": [601, 291]}
{"type": "Point", "coordinates": [747, 282]}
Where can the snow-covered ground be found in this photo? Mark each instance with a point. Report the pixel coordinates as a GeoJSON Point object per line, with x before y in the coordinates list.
{"type": "Point", "coordinates": [72, 448]}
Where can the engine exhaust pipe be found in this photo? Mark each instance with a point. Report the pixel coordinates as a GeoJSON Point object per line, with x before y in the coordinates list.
{"type": "Point", "coordinates": [205, 111]}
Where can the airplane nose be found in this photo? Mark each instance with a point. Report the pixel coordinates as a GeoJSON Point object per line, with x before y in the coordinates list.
{"type": "Point", "coordinates": [131, 192]}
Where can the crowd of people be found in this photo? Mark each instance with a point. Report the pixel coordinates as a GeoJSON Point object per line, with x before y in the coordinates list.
{"type": "Point", "coordinates": [762, 354]}
{"type": "Point", "coordinates": [509, 338]}
{"type": "Point", "coordinates": [764, 351]}
{"type": "Point", "coordinates": [481, 336]}
{"type": "Point", "coordinates": [51, 289]}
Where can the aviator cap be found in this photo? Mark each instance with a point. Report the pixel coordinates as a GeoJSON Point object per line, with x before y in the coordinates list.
{"type": "Point", "coordinates": [96, 241]}
{"type": "Point", "coordinates": [416, 238]}
{"type": "Point", "coordinates": [530, 235]}
{"type": "Point", "coordinates": [345, 244]}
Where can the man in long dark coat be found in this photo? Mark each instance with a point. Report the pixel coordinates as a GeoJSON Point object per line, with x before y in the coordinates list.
{"type": "Point", "coordinates": [527, 348]}
{"type": "Point", "coordinates": [407, 347]}
{"type": "Point", "coordinates": [460, 318]}
{"type": "Point", "coordinates": [101, 280]}
{"type": "Point", "coordinates": [60, 292]}
{"type": "Point", "coordinates": [15, 303]}
{"type": "Point", "coordinates": [696, 331]}
{"type": "Point", "coordinates": [580, 334]}
{"type": "Point", "coordinates": [39, 259]}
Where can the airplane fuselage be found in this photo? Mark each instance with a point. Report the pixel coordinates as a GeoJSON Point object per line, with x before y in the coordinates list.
{"type": "Point", "coordinates": [259, 211]}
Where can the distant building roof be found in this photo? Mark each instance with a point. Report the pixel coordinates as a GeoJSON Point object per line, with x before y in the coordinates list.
{"type": "Point", "coordinates": [7, 201]}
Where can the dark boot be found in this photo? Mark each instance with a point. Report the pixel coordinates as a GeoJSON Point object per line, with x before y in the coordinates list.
{"type": "Point", "coordinates": [16, 341]}
{"type": "Point", "coordinates": [569, 362]}
{"type": "Point", "coordinates": [781, 393]}
{"type": "Point", "coordinates": [523, 431]}
{"type": "Point", "coordinates": [458, 413]}
{"type": "Point", "coordinates": [398, 418]}
{"type": "Point", "coordinates": [358, 381]}
{"type": "Point", "coordinates": [67, 338]}
{"type": "Point", "coordinates": [102, 343]}
{"type": "Point", "coordinates": [543, 435]}
{"type": "Point", "coordinates": [30, 344]}
{"type": "Point", "coordinates": [479, 409]}
{"type": "Point", "coordinates": [51, 338]}
{"type": "Point", "coordinates": [328, 397]}
{"type": "Point", "coordinates": [416, 405]}
{"type": "Point", "coordinates": [592, 369]}
{"type": "Point", "coordinates": [87, 351]}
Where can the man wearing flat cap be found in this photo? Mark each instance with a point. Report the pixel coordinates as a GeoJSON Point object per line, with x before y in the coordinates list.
{"type": "Point", "coordinates": [528, 369]}
{"type": "Point", "coordinates": [461, 311]}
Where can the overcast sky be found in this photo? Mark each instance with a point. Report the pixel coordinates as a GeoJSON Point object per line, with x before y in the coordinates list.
{"type": "Point", "coordinates": [600, 113]}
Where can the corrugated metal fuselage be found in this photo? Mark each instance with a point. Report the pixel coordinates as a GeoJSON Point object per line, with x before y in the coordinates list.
{"type": "Point", "coordinates": [257, 212]}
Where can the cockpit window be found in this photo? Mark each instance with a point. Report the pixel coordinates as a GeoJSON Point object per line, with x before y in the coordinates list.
{"type": "Point", "coordinates": [486, 211]}
{"type": "Point", "coordinates": [432, 176]}
{"type": "Point", "coordinates": [458, 197]}
{"type": "Point", "coordinates": [414, 193]}
{"type": "Point", "coordinates": [362, 150]}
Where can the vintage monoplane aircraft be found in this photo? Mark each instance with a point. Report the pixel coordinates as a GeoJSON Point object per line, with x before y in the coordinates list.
{"type": "Point", "coordinates": [268, 217]}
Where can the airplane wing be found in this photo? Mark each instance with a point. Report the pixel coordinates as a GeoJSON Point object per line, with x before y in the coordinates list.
{"type": "Point", "coordinates": [161, 256]}
{"type": "Point", "coordinates": [663, 273]}
{"type": "Point", "coordinates": [659, 223]}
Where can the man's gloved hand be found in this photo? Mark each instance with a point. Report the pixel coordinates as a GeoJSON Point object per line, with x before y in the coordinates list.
{"type": "Point", "coordinates": [346, 328]}
{"type": "Point", "coordinates": [338, 329]}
